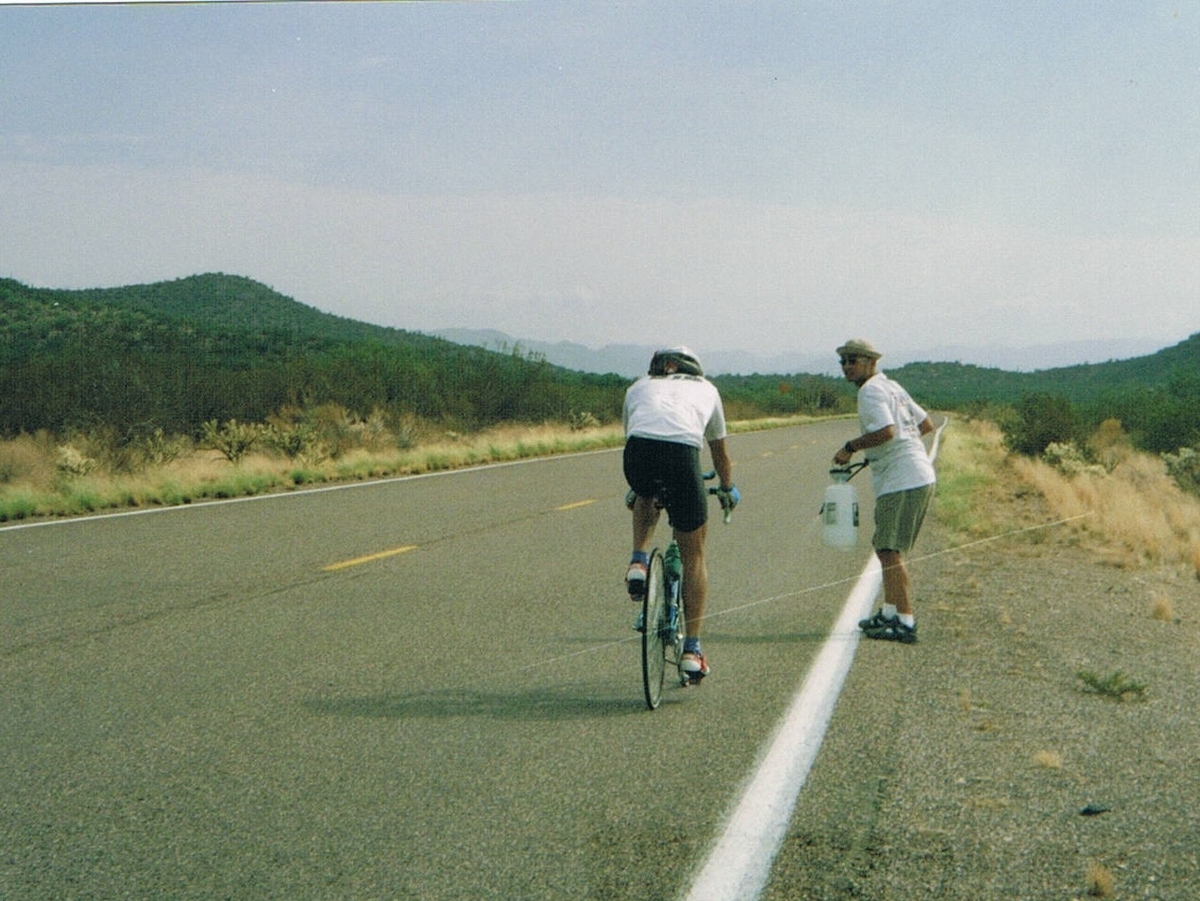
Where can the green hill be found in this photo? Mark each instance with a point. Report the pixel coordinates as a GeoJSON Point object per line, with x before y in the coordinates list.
{"type": "Point", "coordinates": [174, 355]}
{"type": "Point", "coordinates": [177, 354]}
{"type": "Point", "coordinates": [227, 314]}
{"type": "Point", "coordinates": [234, 304]}
{"type": "Point", "coordinates": [1156, 398]}
{"type": "Point", "coordinates": [951, 385]}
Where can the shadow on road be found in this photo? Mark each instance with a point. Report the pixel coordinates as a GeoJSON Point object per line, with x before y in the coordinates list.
{"type": "Point", "coordinates": [765, 638]}
{"type": "Point", "coordinates": [585, 702]}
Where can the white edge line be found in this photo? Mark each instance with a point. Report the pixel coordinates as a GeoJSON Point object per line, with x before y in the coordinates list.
{"type": "Point", "coordinates": [739, 865]}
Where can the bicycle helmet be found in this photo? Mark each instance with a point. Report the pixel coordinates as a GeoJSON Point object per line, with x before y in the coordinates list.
{"type": "Point", "coordinates": [684, 358]}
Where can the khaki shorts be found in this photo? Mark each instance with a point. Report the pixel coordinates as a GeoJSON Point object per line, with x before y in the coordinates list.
{"type": "Point", "coordinates": [898, 518]}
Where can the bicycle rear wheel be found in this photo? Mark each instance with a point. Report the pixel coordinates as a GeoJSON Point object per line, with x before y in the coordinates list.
{"type": "Point", "coordinates": [654, 632]}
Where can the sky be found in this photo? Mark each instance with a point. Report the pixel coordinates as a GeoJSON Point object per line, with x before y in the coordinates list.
{"type": "Point", "coordinates": [770, 177]}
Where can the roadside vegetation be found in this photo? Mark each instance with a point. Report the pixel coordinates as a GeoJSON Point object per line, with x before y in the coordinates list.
{"type": "Point", "coordinates": [216, 386]}
{"type": "Point", "coordinates": [1134, 508]}
{"type": "Point", "coordinates": [40, 477]}
{"type": "Point", "coordinates": [1065, 635]}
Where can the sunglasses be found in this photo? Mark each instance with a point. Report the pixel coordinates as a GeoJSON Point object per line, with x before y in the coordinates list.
{"type": "Point", "coordinates": [849, 361]}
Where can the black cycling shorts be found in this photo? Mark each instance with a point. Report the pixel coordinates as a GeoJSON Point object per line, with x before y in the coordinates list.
{"type": "Point", "coordinates": [675, 467]}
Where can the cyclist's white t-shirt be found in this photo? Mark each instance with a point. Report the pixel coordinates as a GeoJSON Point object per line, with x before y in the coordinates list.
{"type": "Point", "coordinates": [903, 462]}
{"type": "Point", "coordinates": [685, 409]}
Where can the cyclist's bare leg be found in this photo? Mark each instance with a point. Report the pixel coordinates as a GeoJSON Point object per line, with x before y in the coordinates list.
{"type": "Point", "coordinates": [695, 578]}
{"type": "Point", "coordinates": [645, 518]}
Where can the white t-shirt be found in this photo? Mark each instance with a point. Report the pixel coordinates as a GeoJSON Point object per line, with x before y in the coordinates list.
{"type": "Point", "coordinates": [903, 462]}
{"type": "Point", "coordinates": [685, 409]}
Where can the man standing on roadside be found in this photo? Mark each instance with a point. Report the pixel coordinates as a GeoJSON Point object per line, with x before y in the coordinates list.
{"type": "Point", "coordinates": [901, 474]}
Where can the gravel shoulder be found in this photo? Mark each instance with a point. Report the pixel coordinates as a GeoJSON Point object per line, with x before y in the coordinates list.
{"type": "Point", "coordinates": [976, 764]}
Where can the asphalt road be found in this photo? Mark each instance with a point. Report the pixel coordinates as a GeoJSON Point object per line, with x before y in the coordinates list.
{"type": "Point", "coordinates": [425, 688]}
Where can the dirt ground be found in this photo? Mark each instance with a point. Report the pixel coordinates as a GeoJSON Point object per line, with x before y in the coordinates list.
{"type": "Point", "coordinates": [977, 764]}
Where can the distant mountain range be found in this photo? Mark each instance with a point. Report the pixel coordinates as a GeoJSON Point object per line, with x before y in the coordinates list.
{"type": "Point", "coordinates": [630, 360]}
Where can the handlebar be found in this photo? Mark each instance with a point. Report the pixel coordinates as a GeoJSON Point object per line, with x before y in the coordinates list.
{"type": "Point", "coordinates": [722, 496]}
{"type": "Point", "coordinates": [850, 470]}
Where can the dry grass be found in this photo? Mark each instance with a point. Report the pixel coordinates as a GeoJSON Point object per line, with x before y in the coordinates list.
{"type": "Point", "coordinates": [40, 477]}
{"type": "Point", "coordinates": [1049, 760]}
{"type": "Point", "coordinates": [1162, 609]}
{"type": "Point", "coordinates": [28, 460]}
{"type": "Point", "coordinates": [1133, 514]}
{"type": "Point", "coordinates": [1101, 883]}
{"type": "Point", "coordinates": [966, 702]}
{"type": "Point", "coordinates": [1139, 513]}
{"type": "Point", "coordinates": [34, 482]}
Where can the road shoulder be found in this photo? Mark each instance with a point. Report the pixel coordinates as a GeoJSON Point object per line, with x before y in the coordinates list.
{"type": "Point", "coordinates": [977, 764]}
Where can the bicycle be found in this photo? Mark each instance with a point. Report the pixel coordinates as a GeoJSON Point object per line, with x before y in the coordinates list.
{"type": "Point", "coordinates": [661, 621]}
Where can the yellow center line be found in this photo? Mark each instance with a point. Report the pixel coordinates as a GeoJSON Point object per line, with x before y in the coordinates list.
{"type": "Point", "coordinates": [346, 564]}
{"type": "Point", "coordinates": [382, 555]}
{"type": "Point", "coordinates": [576, 504]}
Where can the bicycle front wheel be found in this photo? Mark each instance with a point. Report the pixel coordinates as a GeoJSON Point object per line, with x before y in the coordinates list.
{"type": "Point", "coordinates": [655, 629]}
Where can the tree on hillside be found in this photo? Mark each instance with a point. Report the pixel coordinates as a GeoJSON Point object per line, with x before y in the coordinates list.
{"type": "Point", "coordinates": [1039, 420]}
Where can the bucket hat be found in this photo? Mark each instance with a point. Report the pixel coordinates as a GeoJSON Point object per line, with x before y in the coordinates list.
{"type": "Point", "coordinates": [859, 347]}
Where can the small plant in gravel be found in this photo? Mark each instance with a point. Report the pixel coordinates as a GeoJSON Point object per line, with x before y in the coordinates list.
{"type": "Point", "coordinates": [1162, 609]}
{"type": "Point", "coordinates": [965, 702]}
{"type": "Point", "coordinates": [1101, 883]}
{"type": "Point", "coordinates": [1048, 760]}
{"type": "Point", "coordinates": [1116, 685]}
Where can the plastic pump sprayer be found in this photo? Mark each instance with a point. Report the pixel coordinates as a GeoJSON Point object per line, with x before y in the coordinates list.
{"type": "Point", "coordinates": [839, 513]}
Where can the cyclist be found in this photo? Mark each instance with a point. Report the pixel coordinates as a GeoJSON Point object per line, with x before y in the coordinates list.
{"type": "Point", "coordinates": [669, 414]}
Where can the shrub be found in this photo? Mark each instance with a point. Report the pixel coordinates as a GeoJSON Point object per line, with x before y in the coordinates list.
{"type": "Point", "coordinates": [233, 439]}
{"type": "Point", "coordinates": [1039, 420]}
{"type": "Point", "coordinates": [295, 441]}
{"type": "Point", "coordinates": [1184, 468]}
{"type": "Point", "coordinates": [582, 421]}
{"type": "Point", "coordinates": [1109, 444]}
{"type": "Point", "coordinates": [1068, 459]}
{"type": "Point", "coordinates": [406, 431]}
{"type": "Point", "coordinates": [159, 448]}
{"type": "Point", "coordinates": [1116, 685]}
{"type": "Point", "coordinates": [74, 462]}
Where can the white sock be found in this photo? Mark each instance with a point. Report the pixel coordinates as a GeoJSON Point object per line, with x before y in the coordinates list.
{"type": "Point", "coordinates": [888, 611]}
{"type": "Point", "coordinates": [908, 619]}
